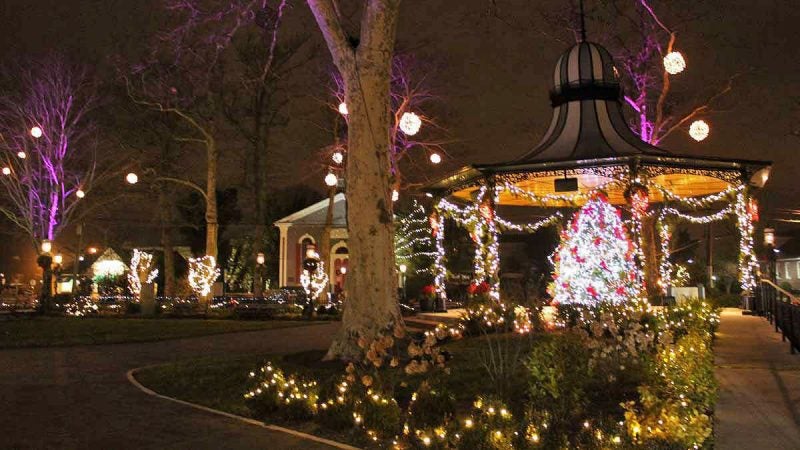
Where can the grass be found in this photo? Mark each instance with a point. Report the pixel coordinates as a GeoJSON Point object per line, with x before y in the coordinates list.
{"type": "Point", "coordinates": [219, 382]}
{"type": "Point", "coordinates": [64, 331]}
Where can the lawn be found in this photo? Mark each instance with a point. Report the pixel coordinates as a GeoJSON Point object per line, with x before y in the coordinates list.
{"type": "Point", "coordinates": [219, 382]}
{"type": "Point", "coordinates": [64, 331]}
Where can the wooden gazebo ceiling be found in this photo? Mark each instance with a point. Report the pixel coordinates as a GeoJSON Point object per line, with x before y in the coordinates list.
{"type": "Point", "coordinates": [683, 185]}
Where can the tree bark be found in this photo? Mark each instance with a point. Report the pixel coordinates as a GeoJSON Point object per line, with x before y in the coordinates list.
{"type": "Point", "coordinates": [651, 273]}
{"type": "Point", "coordinates": [212, 225]}
{"type": "Point", "coordinates": [166, 244]}
{"type": "Point", "coordinates": [371, 304]}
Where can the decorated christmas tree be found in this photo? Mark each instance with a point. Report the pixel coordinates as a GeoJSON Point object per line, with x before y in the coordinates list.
{"type": "Point", "coordinates": [595, 261]}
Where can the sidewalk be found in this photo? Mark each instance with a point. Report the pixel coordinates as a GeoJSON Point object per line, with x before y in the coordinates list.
{"type": "Point", "coordinates": [759, 386]}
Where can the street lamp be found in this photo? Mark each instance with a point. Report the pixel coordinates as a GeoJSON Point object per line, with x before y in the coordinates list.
{"type": "Point", "coordinates": [769, 243]}
{"type": "Point", "coordinates": [260, 259]}
{"type": "Point", "coordinates": [403, 269]}
{"type": "Point", "coordinates": [47, 246]}
{"type": "Point", "coordinates": [58, 259]}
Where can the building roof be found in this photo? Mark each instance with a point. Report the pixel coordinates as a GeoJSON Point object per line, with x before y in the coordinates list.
{"type": "Point", "coordinates": [317, 214]}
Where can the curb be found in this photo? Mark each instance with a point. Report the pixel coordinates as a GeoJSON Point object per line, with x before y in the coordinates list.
{"type": "Point", "coordinates": [132, 379]}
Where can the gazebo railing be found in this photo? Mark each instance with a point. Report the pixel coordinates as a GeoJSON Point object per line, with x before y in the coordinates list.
{"type": "Point", "coordinates": [782, 309]}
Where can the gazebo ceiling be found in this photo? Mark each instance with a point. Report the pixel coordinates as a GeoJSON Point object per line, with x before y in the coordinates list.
{"type": "Point", "coordinates": [589, 139]}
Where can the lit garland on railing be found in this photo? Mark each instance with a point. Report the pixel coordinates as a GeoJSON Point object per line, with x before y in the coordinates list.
{"type": "Point", "coordinates": [697, 202]}
{"type": "Point", "coordinates": [551, 198]}
{"type": "Point", "coordinates": [439, 270]}
{"type": "Point", "coordinates": [141, 271]}
{"type": "Point", "coordinates": [719, 215]}
{"type": "Point", "coordinates": [530, 227]}
{"type": "Point", "coordinates": [202, 274]}
{"type": "Point", "coordinates": [748, 265]}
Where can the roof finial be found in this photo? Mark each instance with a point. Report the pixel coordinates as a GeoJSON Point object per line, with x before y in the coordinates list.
{"type": "Point", "coordinates": [583, 23]}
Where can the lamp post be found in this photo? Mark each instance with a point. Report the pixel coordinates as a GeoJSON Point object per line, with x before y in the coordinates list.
{"type": "Point", "coordinates": [258, 287]}
{"type": "Point", "coordinates": [45, 261]}
{"type": "Point", "coordinates": [769, 244]}
{"type": "Point", "coordinates": [403, 269]}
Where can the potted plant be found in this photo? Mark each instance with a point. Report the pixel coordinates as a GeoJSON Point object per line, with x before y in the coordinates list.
{"type": "Point", "coordinates": [426, 302]}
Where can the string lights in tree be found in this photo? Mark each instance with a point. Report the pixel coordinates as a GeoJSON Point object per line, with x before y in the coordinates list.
{"type": "Point", "coordinates": [410, 123]}
{"type": "Point", "coordinates": [141, 271]}
{"type": "Point", "coordinates": [203, 272]}
{"type": "Point", "coordinates": [595, 260]}
{"type": "Point", "coordinates": [314, 283]}
{"type": "Point", "coordinates": [413, 243]}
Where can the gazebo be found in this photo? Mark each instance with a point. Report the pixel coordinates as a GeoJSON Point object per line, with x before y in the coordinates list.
{"type": "Point", "coordinates": [589, 148]}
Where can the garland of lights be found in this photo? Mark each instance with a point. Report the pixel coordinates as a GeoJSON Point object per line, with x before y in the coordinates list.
{"type": "Point", "coordinates": [314, 283]}
{"type": "Point", "coordinates": [665, 265]}
{"type": "Point", "coordinates": [141, 271]}
{"type": "Point", "coordinates": [549, 198]}
{"type": "Point", "coordinates": [748, 265]}
{"type": "Point", "coordinates": [413, 240]}
{"type": "Point", "coordinates": [439, 270]}
{"type": "Point", "coordinates": [203, 272]}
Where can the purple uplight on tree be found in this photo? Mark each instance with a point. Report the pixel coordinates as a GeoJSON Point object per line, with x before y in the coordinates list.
{"type": "Point", "coordinates": [47, 167]}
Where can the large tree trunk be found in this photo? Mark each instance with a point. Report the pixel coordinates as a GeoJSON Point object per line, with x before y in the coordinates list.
{"type": "Point", "coordinates": [212, 225]}
{"type": "Point", "coordinates": [371, 305]}
{"type": "Point", "coordinates": [260, 191]}
{"type": "Point", "coordinates": [166, 244]}
{"type": "Point", "coordinates": [651, 274]}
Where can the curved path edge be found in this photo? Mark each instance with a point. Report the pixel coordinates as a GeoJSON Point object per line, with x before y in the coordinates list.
{"type": "Point", "coordinates": [131, 375]}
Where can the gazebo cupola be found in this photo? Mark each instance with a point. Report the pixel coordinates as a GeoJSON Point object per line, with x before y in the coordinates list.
{"type": "Point", "coordinates": [589, 148]}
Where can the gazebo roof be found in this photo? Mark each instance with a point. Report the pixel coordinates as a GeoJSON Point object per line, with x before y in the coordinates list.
{"type": "Point", "coordinates": [589, 132]}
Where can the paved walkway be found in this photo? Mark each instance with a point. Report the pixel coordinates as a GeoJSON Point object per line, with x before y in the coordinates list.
{"type": "Point", "coordinates": [79, 397]}
{"type": "Point", "coordinates": [759, 398]}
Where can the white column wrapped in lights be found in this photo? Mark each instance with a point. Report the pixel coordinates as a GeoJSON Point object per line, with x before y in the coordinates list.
{"type": "Point", "coordinates": [141, 271]}
{"type": "Point", "coordinates": [665, 265]}
{"type": "Point", "coordinates": [439, 270]}
{"type": "Point", "coordinates": [748, 264]}
{"type": "Point", "coordinates": [203, 272]}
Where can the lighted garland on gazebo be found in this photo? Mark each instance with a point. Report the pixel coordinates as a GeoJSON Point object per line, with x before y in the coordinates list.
{"type": "Point", "coordinates": [589, 150]}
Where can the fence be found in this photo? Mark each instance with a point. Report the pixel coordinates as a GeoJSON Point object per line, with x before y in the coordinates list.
{"type": "Point", "coordinates": [782, 309]}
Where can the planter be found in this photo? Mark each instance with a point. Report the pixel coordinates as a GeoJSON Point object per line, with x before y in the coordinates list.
{"type": "Point", "coordinates": [426, 304]}
{"type": "Point", "coordinates": [440, 305]}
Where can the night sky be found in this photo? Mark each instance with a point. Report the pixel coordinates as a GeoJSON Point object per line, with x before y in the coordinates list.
{"type": "Point", "coordinates": [492, 76]}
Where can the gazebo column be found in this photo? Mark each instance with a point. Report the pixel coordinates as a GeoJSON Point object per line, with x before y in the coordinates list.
{"type": "Point", "coordinates": [439, 270]}
{"type": "Point", "coordinates": [748, 265]}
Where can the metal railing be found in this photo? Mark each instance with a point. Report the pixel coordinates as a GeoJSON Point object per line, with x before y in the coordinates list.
{"type": "Point", "coordinates": [782, 309]}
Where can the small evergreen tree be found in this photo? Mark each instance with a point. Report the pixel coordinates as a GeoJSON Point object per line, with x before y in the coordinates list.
{"type": "Point", "coordinates": [595, 260]}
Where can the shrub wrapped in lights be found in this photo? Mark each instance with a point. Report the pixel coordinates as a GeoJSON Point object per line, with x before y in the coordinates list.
{"type": "Point", "coordinates": [142, 271]}
{"type": "Point", "coordinates": [202, 274]}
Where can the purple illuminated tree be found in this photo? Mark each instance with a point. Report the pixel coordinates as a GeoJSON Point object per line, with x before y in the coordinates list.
{"type": "Point", "coordinates": [47, 147]}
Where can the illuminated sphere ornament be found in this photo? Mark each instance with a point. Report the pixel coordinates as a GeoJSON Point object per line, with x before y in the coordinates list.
{"type": "Point", "coordinates": [674, 63]}
{"type": "Point", "coordinates": [331, 179]}
{"type": "Point", "coordinates": [21, 155]}
{"type": "Point", "coordinates": [337, 157]}
{"type": "Point", "coordinates": [343, 109]}
{"type": "Point", "coordinates": [436, 158]}
{"type": "Point", "coordinates": [6, 171]}
{"type": "Point", "coordinates": [699, 130]}
{"type": "Point", "coordinates": [36, 132]}
{"type": "Point", "coordinates": [47, 246]}
{"type": "Point", "coordinates": [410, 123]}
{"type": "Point", "coordinates": [80, 193]}
{"type": "Point", "coordinates": [395, 195]}
{"type": "Point", "coordinates": [132, 178]}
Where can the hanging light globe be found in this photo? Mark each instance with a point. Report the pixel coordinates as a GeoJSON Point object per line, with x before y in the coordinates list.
{"type": "Point", "coordinates": [674, 63]}
{"type": "Point", "coordinates": [331, 179]}
{"type": "Point", "coordinates": [343, 109]}
{"type": "Point", "coordinates": [410, 123]}
{"type": "Point", "coordinates": [21, 155]}
{"type": "Point", "coordinates": [132, 178]}
{"type": "Point", "coordinates": [80, 193]}
{"type": "Point", "coordinates": [6, 170]}
{"type": "Point", "coordinates": [436, 158]}
{"type": "Point", "coordinates": [36, 132]}
{"type": "Point", "coordinates": [699, 130]}
{"type": "Point", "coordinates": [337, 157]}
{"type": "Point", "coordinates": [395, 195]}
